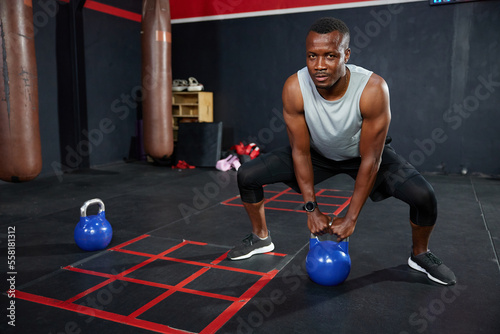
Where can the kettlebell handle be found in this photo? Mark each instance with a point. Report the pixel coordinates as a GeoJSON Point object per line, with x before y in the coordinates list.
{"type": "Point", "coordinates": [314, 236]}
{"type": "Point", "coordinates": [83, 209]}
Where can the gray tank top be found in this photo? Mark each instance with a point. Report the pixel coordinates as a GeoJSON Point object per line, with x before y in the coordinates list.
{"type": "Point", "coordinates": [334, 126]}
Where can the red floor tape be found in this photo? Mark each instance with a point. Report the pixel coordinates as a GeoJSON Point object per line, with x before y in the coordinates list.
{"type": "Point", "coordinates": [285, 200]}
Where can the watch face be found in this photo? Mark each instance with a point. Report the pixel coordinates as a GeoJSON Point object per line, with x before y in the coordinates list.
{"type": "Point", "coordinates": [310, 206]}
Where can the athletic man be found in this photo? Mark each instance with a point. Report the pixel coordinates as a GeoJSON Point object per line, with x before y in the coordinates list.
{"type": "Point", "coordinates": [337, 118]}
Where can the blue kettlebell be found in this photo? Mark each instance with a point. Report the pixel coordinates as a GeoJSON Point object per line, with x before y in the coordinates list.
{"type": "Point", "coordinates": [93, 232]}
{"type": "Point", "coordinates": [328, 261]}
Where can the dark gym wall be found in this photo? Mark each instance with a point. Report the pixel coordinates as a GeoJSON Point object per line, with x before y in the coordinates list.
{"type": "Point", "coordinates": [113, 57]}
{"type": "Point", "coordinates": [442, 65]}
{"type": "Point", "coordinates": [113, 65]}
{"type": "Point", "coordinates": [44, 14]}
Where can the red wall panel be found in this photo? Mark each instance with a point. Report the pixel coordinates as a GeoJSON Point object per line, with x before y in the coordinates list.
{"type": "Point", "coordinates": [182, 9]}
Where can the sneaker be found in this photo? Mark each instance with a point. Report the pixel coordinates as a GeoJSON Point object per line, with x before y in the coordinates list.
{"type": "Point", "coordinates": [179, 85]}
{"type": "Point", "coordinates": [429, 264]}
{"type": "Point", "coordinates": [236, 164]}
{"type": "Point", "coordinates": [251, 245]}
{"type": "Point", "coordinates": [226, 163]}
{"type": "Point", "coordinates": [194, 85]}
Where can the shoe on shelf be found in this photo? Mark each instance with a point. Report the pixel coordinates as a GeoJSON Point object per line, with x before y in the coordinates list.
{"type": "Point", "coordinates": [194, 85]}
{"type": "Point", "coordinates": [179, 85]}
{"type": "Point", "coordinates": [431, 265]}
{"type": "Point", "coordinates": [249, 246]}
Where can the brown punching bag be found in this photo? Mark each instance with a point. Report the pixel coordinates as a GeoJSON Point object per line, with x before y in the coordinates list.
{"type": "Point", "coordinates": [20, 148]}
{"type": "Point", "coordinates": [157, 79]}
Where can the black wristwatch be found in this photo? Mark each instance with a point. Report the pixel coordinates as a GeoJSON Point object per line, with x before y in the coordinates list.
{"type": "Point", "coordinates": [310, 206]}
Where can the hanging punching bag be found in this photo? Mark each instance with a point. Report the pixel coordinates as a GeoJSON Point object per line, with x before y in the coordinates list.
{"type": "Point", "coordinates": [20, 148]}
{"type": "Point", "coordinates": [157, 79]}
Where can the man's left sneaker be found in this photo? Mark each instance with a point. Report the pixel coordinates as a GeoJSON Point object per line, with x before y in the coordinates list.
{"type": "Point", "coordinates": [429, 264]}
{"type": "Point", "coordinates": [251, 245]}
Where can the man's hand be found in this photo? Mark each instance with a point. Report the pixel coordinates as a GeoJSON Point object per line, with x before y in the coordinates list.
{"type": "Point", "coordinates": [342, 227]}
{"type": "Point", "coordinates": [318, 222]}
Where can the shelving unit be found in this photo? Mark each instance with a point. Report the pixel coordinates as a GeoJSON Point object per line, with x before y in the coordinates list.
{"type": "Point", "coordinates": [191, 107]}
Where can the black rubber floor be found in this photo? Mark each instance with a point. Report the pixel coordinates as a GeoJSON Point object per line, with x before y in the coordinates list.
{"type": "Point", "coordinates": [165, 270]}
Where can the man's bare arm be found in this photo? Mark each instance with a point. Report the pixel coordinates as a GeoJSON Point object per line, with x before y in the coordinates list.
{"type": "Point", "coordinates": [298, 133]}
{"type": "Point", "coordinates": [375, 110]}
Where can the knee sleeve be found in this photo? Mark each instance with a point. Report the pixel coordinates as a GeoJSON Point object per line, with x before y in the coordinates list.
{"type": "Point", "coordinates": [269, 168]}
{"type": "Point", "coordinates": [419, 194]}
{"type": "Point", "coordinates": [251, 190]}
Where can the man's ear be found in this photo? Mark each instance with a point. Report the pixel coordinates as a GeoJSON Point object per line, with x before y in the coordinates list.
{"type": "Point", "coordinates": [347, 54]}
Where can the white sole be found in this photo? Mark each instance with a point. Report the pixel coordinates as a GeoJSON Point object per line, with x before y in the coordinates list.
{"type": "Point", "coordinates": [261, 250]}
{"type": "Point", "coordinates": [415, 266]}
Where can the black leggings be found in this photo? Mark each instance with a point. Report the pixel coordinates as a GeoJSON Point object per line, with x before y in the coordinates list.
{"type": "Point", "coordinates": [396, 178]}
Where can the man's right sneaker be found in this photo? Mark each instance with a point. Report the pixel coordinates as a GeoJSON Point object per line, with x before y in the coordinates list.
{"type": "Point", "coordinates": [435, 269]}
{"type": "Point", "coordinates": [249, 246]}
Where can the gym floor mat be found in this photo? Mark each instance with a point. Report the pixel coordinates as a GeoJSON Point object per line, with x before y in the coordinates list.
{"type": "Point", "coordinates": [165, 269]}
{"type": "Point", "coordinates": [136, 284]}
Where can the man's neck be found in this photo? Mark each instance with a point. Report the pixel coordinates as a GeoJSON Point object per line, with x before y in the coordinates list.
{"type": "Point", "coordinates": [338, 90]}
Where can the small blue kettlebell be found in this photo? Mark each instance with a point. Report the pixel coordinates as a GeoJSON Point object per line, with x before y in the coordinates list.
{"type": "Point", "coordinates": [93, 232]}
{"type": "Point", "coordinates": [328, 262]}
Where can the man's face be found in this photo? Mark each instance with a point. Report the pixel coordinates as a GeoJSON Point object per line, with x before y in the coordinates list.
{"type": "Point", "coordinates": [326, 58]}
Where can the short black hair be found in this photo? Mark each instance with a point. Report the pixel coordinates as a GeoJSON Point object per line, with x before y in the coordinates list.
{"type": "Point", "coordinates": [326, 25]}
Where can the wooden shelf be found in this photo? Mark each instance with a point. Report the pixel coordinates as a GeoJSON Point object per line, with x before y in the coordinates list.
{"type": "Point", "coordinates": [191, 107]}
